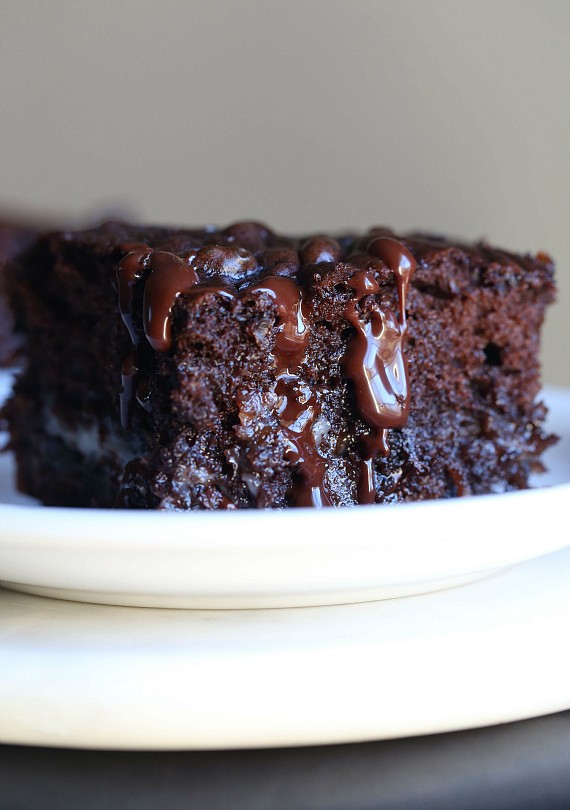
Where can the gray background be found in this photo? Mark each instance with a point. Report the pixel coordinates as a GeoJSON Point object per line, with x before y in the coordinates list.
{"type": "Point", "coordinates": [451, 115]}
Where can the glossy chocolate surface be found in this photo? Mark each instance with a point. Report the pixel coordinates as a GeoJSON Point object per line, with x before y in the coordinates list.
{"type": "Point", "coordinates": [373, 360]}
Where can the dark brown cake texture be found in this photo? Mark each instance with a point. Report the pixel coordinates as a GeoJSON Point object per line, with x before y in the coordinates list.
{"type": "Point", "coordinates": [15, 236]}
{"type": "Point", "coordinates": [223, 369]}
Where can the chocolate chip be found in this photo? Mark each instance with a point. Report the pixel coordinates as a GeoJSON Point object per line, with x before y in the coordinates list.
{"type": "Point", "coordinates": [321, 249]}
{"type": "Point", "coordinates": [224, 262]}
{"type": "Point", "coordinates": [252, 236]}
{"type": "Point", "coordinates": [280, 261]}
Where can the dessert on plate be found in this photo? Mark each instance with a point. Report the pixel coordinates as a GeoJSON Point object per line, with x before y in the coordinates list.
{"type": "Point", "coordinates": [232, 368]}
{"type": "Point", "coordinates": [14, 237]}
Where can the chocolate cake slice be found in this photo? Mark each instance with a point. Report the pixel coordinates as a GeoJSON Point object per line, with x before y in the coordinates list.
{"type": "Point", "coordinates": [14, 237]}
{"type": "Point", "coordinates": [223, 369]}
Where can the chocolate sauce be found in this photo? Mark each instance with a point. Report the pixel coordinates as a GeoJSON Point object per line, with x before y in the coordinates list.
{"type": "Point", "coordinates": [366, 488]}
{"type": "Point", "coordinates": [293, 331]}
{"type": "Point", "coordinates": [400, 261]}
{"type": "Point", "coordinates": [299, 406]}
{"type": "Point", "coordinates": [131, 268]}
{"type": "Point", "coordinates": [297, 414]}
{"type": "Point", "coordinates": [169, 277]}
{"type": "Point", "coordinates": [374, 358]}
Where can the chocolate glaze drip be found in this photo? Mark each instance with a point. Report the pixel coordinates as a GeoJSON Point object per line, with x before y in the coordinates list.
{"type": "Point", "coordinates": [366, 490]}
{"type": "Point", "coordinates": [130, 270]}
{"type": "Point", "coordinates": [169, 277]}
{"type": "Point", "coordinates": [374, 358]}
{"type": "Point", "coordinates": [293, 332]}
{"type": "Point", "coordinates": [298, 413]}
{"type": "Point", "coordinates": [299, 406]}
{"type": "Point", "coordinates": [398, 258]}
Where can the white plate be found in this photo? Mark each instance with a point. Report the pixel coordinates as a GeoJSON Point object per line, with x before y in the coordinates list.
{"type": "Point", "coordinates": [256, 559]}
{"type": "Point", "coordinates": [93, 676]}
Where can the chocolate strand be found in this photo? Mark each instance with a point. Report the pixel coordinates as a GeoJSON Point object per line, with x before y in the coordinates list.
{"type": "Point", "coordinates": [374, 359]}
{"type": "Point", "coordinates": [299, 408]}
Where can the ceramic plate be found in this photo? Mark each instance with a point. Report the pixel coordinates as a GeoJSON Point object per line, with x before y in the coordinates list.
{"type": "Point", "coordinates": [98, 676]}
{"type": "Point", "coordinates": [299, 557]}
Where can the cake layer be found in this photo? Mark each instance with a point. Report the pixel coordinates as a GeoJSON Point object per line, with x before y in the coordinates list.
{"type": "Point", "coordinates": [14, 237]}
{"type": "Point", "coordinates": [180, 369]}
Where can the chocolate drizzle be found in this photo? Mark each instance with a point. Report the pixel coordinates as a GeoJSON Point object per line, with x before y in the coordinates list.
{"type": "Point", "coordinates": [166, 277]}
{"type": "Point", "coordinates": [373, 360]}
{"type": "Point", "coordinates": [400, 261]}
{"type": "Point", "coordinates": [366, 490]}
{"type": "Point", "coordinates": [293, 331]}
{"type": "Point", "coordinates": [299, 407]}
{"type": "Point", "coordinates": [169, 277]}
{"type": "Point", "coordinates": [129, 271]}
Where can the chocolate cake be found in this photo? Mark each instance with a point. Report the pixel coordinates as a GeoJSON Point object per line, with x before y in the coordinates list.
{"type": "Point", "coordinates": [235, 368]}
{"type": "Point", "coordinates": [14, 237]}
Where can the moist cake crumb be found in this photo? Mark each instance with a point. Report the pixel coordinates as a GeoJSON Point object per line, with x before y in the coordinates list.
{"type": "Point", "coordinates": [235, 368]}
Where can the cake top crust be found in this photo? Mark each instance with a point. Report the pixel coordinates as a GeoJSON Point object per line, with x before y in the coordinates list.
{"type": "Point", "coordinates": [271, 250]}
